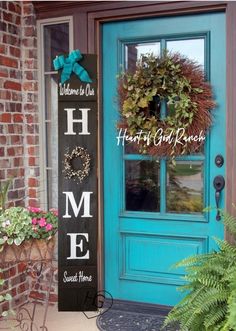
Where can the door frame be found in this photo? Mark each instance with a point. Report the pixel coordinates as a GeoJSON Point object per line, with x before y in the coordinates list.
{"type": "Point", "coordinates": [88, 17]}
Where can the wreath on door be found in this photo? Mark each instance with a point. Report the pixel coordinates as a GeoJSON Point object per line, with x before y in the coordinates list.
{"type": "Point", "coordinates": [179, 84]}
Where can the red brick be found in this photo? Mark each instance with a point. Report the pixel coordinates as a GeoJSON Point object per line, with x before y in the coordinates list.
{"type": "Point", "coordinates": [7, 17]}
{"type": "Point", "coordinates": [18, 118]}
{"type": "Point", "coordinates": [19, 150]}
{"type": "Point", "coordinates": [12, 195]}
{"type": "Point", "coordinates": [53, 298]}
{"type": "Point", "coordinates": [3, 140]}
{"type": "Point", "coordinates": [18, 162]}
{"type": "Point", "coordinates": [22, 266]}
{"type": "Point", "coordinates": [11, 40]}
{"type": "Point", "coordinates": [3, 49]}
{"type": "Point", "coordinates": [30, 31]}
{"type": "Point", "coordinates": [6, 118]}
{"type": "Point", "coordinates": [29, 20]}
{"type": "Point", "coordinates": [37, 295]}
{"type": "Point", "coordinates": [15, 128]}
{"type": "Point", "coordinates": [15, 51]}
{"type": "Point", "coordinates": [15, 74]}
{"type": "Point", "coordinates": [5, 95]}
{"type": "Point", "coordinates": [3, 26]}
{"type": "Point", "coordinates": [33, 203]}
{"type": "Point", "coordinates": [16, 140]}
{"type": "Point", "coordinates": [18, 20]}
{"type": "Point", "coordinates": [31, 118]}
{"type": "Point", "coordinates": [13, 107]}
{"type": "Point", "coordinates": [32, 54]}
{"type": "Point", "coordinates": [32, 161]}
{"type": "Point", "coordinates": [11, 151]}
{"type": "Point", "coordinates": [19, 183]}
{"type": "Point", "coordinates": [27, 9]}
{"type": "Point", "coordinates": [12, 271]}
{"type": "Point", "coordinates": [5, 306]}
{"type": "Point", "coordinates": [4, 4]}
{"type": "Point", "coordinates": [18, 172]}
{"type": "Point", "coordinates": [32, 140]}
{"type": "Point", "coordinates": [30, 86]}
{"type": "Point", "coordinates": [13, 29]}
{"type": "Point", "coordinates": [12, 85]}
{"type": "Point", "coordinates": [13, 292]}
{"type": "Point", "coordinates": [14, 7]}
{"type": "Point", "coordinates": [22, 288]}
{"type": "Point", "coordinates": [4, 163]}
{"type": "Point", "coordinates": [30, 75]}
{"type": "Point", "coordinates": [3, 72]}
{"type": "Point", "coordinates": [32, 193]}
{"type": "Point", "coordinates": [8, 62]}
{"type": "Point", "coordinates": [31, 151]}
{"type": "Point", "coordinates": [16, 96]}
{"type": "Point", "coordinates": [20, 203]}
{"type": "Point", "coordinates": [2, 174]}
{"type": "Point", "coordinates": [11, 6]}
{"type": "Point", "coordinates": [33, 182]}
{"type": "Point", "coordinates": [29, 42]}
{"type": "Point", "coordinates": [2, 151]}
{"type": "Point", "coordinates": [30, 64]}
{"type": "Point", "coordinates": [29, 106]}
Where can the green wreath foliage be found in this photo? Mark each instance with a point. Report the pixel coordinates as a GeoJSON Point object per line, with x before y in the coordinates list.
{"type": "Point", "coordinates": [180, 83]}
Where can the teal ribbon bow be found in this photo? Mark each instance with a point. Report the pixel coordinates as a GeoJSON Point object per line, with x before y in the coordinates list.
{"type": "Point", "coordinates": [69, 65]}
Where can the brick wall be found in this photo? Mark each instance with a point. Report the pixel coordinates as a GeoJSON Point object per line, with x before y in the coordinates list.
{"type": "Point", "coordinates": [22, 282]}
{"type": "Point", "coordinates": [19, 119]}
{"type": "Point", "coordinates": [19, 126]}
{"type": "Point", "coordinates": [16, 284]}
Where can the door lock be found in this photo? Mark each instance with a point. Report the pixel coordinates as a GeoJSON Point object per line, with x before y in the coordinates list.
{"type": "Point", "coordinates": [219, 161]}
{"type": "Point", "coordinates": [219, 184]}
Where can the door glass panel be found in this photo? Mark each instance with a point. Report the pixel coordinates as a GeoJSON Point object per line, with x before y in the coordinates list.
{"type": "Point", "coordinates": [192, 48]}
{"type": "Point", "coordinates": [133, 52]}
{"type": "Point", "coordinates": [185, 187]}
{"type": "Point", "coordinates": [142, 186]}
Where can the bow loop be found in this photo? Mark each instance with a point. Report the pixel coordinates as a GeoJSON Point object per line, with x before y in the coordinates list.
{"type": "Point", "coordinates": [58, 62]}
{"type": "Point", "coordinates": [69, 65]}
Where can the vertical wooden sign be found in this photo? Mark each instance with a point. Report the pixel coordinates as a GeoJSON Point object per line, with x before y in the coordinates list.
{"type": "Point", "coordinates": [77, 242]}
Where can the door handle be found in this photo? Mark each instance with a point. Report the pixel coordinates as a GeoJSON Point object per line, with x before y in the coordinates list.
{"type": "Point", "coordinates": [219, 184]}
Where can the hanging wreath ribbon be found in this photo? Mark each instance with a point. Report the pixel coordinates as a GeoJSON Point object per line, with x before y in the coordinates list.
{"type": "Point", "coordinates": [70, 172]}
{"type": "Point", "coordinates": [177, 82]}
{"type": "Point", "coordinates": [69, 65]}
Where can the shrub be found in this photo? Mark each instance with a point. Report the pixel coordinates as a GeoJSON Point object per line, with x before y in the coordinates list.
{"type": "Point", "coordinates": [210, 302]}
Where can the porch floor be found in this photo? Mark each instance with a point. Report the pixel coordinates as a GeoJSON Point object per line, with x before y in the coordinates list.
{"type": "Point", "coordinates": [63, 321]}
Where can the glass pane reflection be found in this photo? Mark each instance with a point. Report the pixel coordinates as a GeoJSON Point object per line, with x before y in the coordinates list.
{"type": "Point", "coordinates": [185, 187]}
{"type": "Point", "coordinates": [133, 52]}
{"type": "Point", "coordinates": [142, 188]}
{"type": "Point", "coordinates": [192, 48]}
{"type": "Point", "coordinates": [56, 39]}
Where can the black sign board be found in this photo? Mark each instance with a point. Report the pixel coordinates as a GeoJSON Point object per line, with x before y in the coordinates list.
{"type": "Point", "coordinates": [77, 198]}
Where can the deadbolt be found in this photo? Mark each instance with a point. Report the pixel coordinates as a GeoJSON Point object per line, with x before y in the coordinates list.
{"type": "Point", "coordinates": [219, 160]}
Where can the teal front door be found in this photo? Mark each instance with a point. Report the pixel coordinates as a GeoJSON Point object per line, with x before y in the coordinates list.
{"type": "Point", "coordinates": [153, 213]}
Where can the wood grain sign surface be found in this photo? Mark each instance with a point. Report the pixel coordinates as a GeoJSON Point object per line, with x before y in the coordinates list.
{"type": "Point", "coordinates": [77, 201]}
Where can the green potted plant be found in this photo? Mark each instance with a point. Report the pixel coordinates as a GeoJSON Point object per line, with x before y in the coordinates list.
{"type": "Point", "coordinates": [210, 302]}
{"type": "Point", "coordinates": [27, 233]}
